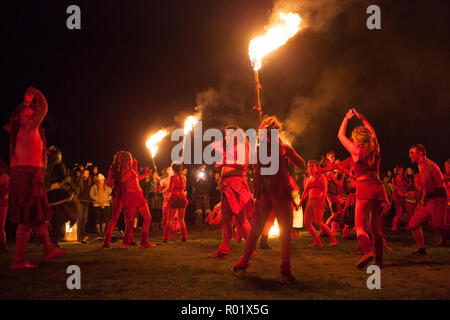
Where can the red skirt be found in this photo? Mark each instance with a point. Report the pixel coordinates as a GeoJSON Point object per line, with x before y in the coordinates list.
{"type": "Point", "coordinates": [178, 200]}
{"type": "Point", "coordinates": [27, 198]}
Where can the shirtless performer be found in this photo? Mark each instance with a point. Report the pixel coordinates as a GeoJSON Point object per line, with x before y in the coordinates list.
{"type": "Point", "coordinates": [434, 203]}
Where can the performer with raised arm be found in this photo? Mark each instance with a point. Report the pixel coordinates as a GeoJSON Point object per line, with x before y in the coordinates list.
{"type": "Point", "coordinates": [28, 199]}
{"type": "Point", "coordinates": [235, 191]}
{"type": "Point", "coordinates": [371, 198]}
{"type": "Point", "coordinates": [433, 204]}
{"type": "Point", "coordinates": [316, 191]}
{"type": "Point", "coordinates": [273, 193]}
{"type": "Point", "coordinates": [126, 179]}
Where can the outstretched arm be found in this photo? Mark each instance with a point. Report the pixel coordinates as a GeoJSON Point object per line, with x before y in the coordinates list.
{"type": "Point", "coordinates": [294, 157]}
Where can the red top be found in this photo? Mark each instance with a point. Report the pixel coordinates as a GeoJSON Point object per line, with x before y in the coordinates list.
{"type": "Point", "coordinates": [362, 166]}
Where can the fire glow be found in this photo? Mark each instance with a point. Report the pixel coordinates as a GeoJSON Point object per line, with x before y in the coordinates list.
{"type": "Point", "coordinates": [152, 142]}
{"type": "Point", "coordinates": [274, 230]}
{"type": "Point", "coordinates": [275, 37]}
{"type": "Point", "coordinates": [189, 124]}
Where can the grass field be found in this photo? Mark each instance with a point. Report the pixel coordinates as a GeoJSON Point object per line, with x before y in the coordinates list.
{"type": "Point", "coordinates": [178, 270]}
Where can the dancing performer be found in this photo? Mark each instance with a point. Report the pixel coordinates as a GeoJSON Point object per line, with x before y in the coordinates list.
{"type": "Point", "coordinates": [28, 199]}
{"type": "Point", "coordinates": [316, 191]}
{"type": "Point", "coordinates": [117, 196]}
{"type": "Point", "coordinates": [434, 203]}
{"type": "Point", "coordinates": [177, 203]}
{"type": "Point", "coordinates": [273, 194]}
{"type": "Point", "coordinates": [4, 196]}
{"type": "Point", "coordinates": [447, 178]}
{"type": "Point", "coordinates": [125, 178]}
{"type": "Point", "coordinates": [371, 198]}
{"type": "Point", "coordinates": [236, 197]}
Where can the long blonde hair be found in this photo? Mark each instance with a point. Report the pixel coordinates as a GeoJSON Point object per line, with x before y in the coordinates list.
{"type": "Point", "coordinates": [363, 137]}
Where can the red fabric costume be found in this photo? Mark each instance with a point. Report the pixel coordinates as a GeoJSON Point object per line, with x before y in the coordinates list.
{"type": "Point", "coordinates": [177, 204]}
{"type": "Point", "coordinates": [133, 199]}
{"type": "Point", "coordinates": [274, 194]}
{"type": "Point", "coordinates": [236, 199]}
{"type": "Point", "coordinates": [117, 205]}
{"type": "Point", "coordinates": [28, 199]}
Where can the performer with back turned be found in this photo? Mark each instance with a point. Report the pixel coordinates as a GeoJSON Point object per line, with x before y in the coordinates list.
{"type": "Point", "coordinates": [371, 198]}
{"type": "Point", "coordinates": [273, 193]}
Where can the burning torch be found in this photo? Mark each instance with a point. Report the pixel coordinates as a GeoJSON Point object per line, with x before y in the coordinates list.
{"type": "Point", "coordinates": [189, 124]}
{"type": "Point", "coordinates": [152, 144]}
{"type": "Point", "coordinates": [278, 34]}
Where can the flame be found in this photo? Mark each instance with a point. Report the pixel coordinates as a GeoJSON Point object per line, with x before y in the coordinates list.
{"type": "Point", "coordinates": [154, 140]}
{"type": "Point", "coordinates": [189, 124]}
{"type": "Point", "coordinates": [68, 228]}
{"type": "Point", "coordinates": [274, 38]}
{"type": "Point", "coordinates": [274, 231]}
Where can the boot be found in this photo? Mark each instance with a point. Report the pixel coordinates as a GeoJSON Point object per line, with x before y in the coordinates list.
{"type": "Point", "coordinates": [346, 232]}
{"type": "Point", "coordinates": [126, 241]}
{"type": "Point", "coordinates": [264, 242]}
{"type": "Point", "coordinates": [50, 251]}
{"type": "Point", "coordinates": [183, 233]}
{"type": "Point", "coordinates": [366, 246]}
{"type": "Point", "coordinates": [107, 241]}
{"type": "Point", "coordinates": [144, 241]}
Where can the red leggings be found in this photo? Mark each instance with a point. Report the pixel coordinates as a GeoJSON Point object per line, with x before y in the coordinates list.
{"type": "Point", "coordinates": [283, 211]}
{"type": "Point", "coordinates": [117, 205]}
{"type": "Point", "coordinates": [170, 223]}
{"type": "Point", "coordinates": [130, 214]}
{"type": "Point", "coordinates": [227, 231]}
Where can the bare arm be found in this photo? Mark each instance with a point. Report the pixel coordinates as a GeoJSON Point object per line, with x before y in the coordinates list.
{"type": "Point", "coordinates": [294, 157]}
{"type": "Point", "coordinates": [346, 142]}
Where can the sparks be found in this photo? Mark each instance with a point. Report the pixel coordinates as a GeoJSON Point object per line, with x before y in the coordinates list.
{"type": "Point", "coordinates": [152, 142]}
{"type": "Point", "coordinates": [274, 38]}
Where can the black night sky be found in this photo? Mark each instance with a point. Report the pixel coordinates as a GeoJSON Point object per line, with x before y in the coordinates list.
{"type": "Point", "coordinates": [138, 66]}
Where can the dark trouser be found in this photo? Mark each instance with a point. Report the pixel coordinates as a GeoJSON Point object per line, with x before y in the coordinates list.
{"type": "Point", "coordinates": [83, 219]}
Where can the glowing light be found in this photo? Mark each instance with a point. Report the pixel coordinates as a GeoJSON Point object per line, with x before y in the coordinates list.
{"type": "Point", "coordinates": [287, 26]}
{"type": "Point", "coordinates": [274, 231]}
{"type": "Point", "coordinates": [152, 142]}
{"type": "Point", "coordinates": [189, 124]}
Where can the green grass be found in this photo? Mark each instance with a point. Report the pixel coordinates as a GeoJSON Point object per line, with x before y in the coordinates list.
{"type": "Point", "coordinates": [178, 270]}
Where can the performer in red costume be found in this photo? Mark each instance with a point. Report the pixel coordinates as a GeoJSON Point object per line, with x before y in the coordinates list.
{"type": "Point", "coordinates": [126, 179]}
{"type": "Point", "coordinates": [273, 194]}
{"type": "Point", "coordinates": [28, 199]}
{"type": "Point", "coordinates": [117, 197]}
{"type": "Point", "coordinates": [371, 198]}
{"type": "Point", "coordinates": [177, 203]}
{"type": "Point", "coordinates": [4, 196]}
{"type": "Point", "coordinates": [316, 191]}
{"type": "Point", "coordinates": [447, 178]}
{"type": "Point", "coordinates": [434, 203]}
{"type": "Point", "coordinates": [236, 197]}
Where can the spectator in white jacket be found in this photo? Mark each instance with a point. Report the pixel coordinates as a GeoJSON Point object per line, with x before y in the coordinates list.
{"type": "Point", "coordinates": [101, 194]}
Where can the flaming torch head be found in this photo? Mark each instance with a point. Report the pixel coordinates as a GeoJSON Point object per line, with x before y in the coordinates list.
{"type": "Point", "coordinates": [189, 124]}
{"type": "Point", "coordinates": [152, 142]}
{"type": "Point", "coordinates": [287, 26]}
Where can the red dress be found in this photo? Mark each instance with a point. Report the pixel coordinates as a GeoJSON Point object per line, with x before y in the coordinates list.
{"type": "Point", "coordinates": [177, 197]}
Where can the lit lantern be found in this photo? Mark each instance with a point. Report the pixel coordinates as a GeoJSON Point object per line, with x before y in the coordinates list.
{"type": "Point", "coordinates": [71, 233]}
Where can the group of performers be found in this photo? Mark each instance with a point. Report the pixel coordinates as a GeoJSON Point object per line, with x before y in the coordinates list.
{"type": "Point", "coordinates": [251, 212]}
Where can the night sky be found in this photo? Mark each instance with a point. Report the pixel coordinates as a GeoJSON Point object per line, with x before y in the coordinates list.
{"type": "Point", "coordinates": [138, 66]}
